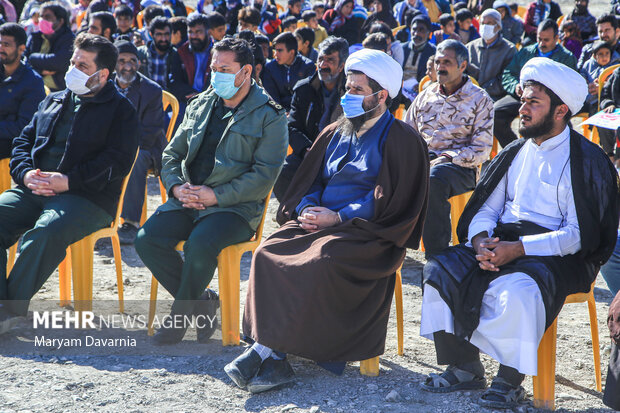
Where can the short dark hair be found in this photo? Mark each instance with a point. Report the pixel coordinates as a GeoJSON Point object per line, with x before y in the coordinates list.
{"type": "Point", "coordinates": [241, 49]}
{"type": "Point", "coordinates": [178, 23]}
{"type": "Point", "coordinates": [287, 39]}
{"type": "Point", "coordinates": [548, 24]}
{"type": "Point", "coordinates": [152, 11]}
{"type": "Point", "coordinates": [15, 31]}
{"type": "Point", "coordinates": [159, 23]}
{"type": "Point", "coordinates": [376, 41]}
{"type": "Point", "coordinates": [289, 21]}
{"type": "Point", "coordinates": [374, 86]}
{"type": "Point", "coordinates": [58, 9]}
{"type": "Point", "coordinates": [514, 7]}
{"type": "Point", "coordinates": [250, 37]}
{"type": "Point", "coordinates": [308, 15]}
{"type": "Point", "coordinates": [292, 2]}
{"type": "Point", "coordinates": [459, 49]}
{"type": "Point", "coordinates": [445, 18]}
{"type": "Point", "coordinates": [459, 6]}
{"type": "Point", "coordinates": [463, 15]}
{"type": "Point", "coordinates": [107, 21]}
{"type": "Point", "coordinates": [380, 27]}
{"type": "Point", "coordinates": [305, 34]}
{"type": "Point", "coordinates": [555, 101]}
{"type": "Point", "coordinates": [335, 44]}
{"type": "Point", "coordinates": [123, 10]}
{"type": "Point", "coordinates": [216, 20]}
{"type": "Point", "coordinates": [608, 18]}
{"type": "Point", "coordinates": [195, 19]}
{"type": "Point", "coordinates": [596, 46]}
{"type": "Point", "coordinates": [249, 15]}
{"type": "Point", "coordinates": [107, 53]}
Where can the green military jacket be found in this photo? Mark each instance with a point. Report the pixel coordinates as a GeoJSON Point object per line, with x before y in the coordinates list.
{"type": "Point", "coordinates": [248, 157]}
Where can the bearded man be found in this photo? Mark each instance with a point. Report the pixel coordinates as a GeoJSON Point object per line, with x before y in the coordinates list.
{"type": "Point", "coordinates": [541, 221]}
{"type": "Point", "coordinates": [321, 287]}
{"type": "Point", "coordinates": [145, 95]}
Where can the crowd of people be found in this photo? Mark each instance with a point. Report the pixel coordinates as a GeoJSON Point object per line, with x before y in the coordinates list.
{"type": "Point", "coordinates": [365, 118]}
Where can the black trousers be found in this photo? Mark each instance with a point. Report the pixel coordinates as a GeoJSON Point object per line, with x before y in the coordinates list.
{"type": "Point", "coordinates": [506, 110]}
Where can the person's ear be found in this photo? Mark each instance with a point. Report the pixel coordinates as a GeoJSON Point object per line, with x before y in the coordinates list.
{"type": "Point", "coordinates": [561, 111]}
{"type": "Point", "coordinates": [21, 49]}
{"type": "Point", "coordinates": [104, 75]}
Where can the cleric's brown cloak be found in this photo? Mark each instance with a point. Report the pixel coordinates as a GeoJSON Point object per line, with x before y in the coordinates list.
{"type": "Point", "coordinates": [326, 295]}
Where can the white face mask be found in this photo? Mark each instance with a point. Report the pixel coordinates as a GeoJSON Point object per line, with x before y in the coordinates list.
{"type": "Point", "coordinates": [76, 81]}
{"type": "Point", "coordinates": [487, 31]}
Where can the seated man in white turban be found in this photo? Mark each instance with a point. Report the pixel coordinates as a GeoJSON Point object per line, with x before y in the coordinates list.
{"type": "Point", "coordinates": [541, 221]}
{"type": "Point", "coordinates": [321, 287]}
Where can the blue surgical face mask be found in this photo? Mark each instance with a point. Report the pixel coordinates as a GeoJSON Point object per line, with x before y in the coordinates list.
{"type": "Point", "coordinates": [352, 105]}
{"type": "Point", "coordinates": [224, 84]}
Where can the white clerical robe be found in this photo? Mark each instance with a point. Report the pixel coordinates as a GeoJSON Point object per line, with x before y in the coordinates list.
{"type": "Point", "coordinates": [536, 188]}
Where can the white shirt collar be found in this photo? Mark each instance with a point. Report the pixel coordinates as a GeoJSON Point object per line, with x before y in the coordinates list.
{"type": "Point", "coordinates": [552, 143]}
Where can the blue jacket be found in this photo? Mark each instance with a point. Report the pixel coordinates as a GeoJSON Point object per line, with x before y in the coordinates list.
{"type": "Point", "coordinates": [279, 80]}
{"type": "Point", "coordinates": [20, 94]}
{"type": "Point", "coordinates": [57, 60]}
{"type": "Point", "coordinates": [101, 146]}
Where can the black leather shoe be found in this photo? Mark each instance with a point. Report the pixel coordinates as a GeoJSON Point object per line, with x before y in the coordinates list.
{"type": "Point", "coordinates": [169, 334]}
{"type": "Point", "coordinates": [206, 315]}
{"type": "Point", "coordinates": [273, 373]}
{"type": "Point", "coordinates": [244, 367]}
{"type": "Point", "coordinates": [127, 234]}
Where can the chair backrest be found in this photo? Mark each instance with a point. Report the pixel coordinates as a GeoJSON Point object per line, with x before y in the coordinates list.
{"type": "Point", "coordinates": [119, 207]}
{"type": "Point", "coordinates": [474, 81]}
{"type": "Point", "coordinates": [424, 83]}
{"type": "Point", "coordinates": [189, 10]}
{"type": "Point", "coordinates": [521, 12]}
{"type": "Point", "coordinates": [168, 99]}
{"type": "Point", "coordinates": [602, 79]}
{"type": "Point", "coordinates": [139, 19]}
{"type": "Point", "coordinates": [259, 231]}
{"type": "Point", "coordinates": [560, 20]}
{"type": "Point", "coordinates": [47, 90]}
{"type": "Point", "coordinates": [395, 30]}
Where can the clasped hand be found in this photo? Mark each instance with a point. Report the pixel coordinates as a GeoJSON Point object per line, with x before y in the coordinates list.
{"type": "Point", "coordinates": [195, 196]}
{"type": "Point", "coordinates": [493, 253]}
{"type": "Point", "coordinates": [316, 218]}
{"type": "Point", "coordinates": [46, 183]}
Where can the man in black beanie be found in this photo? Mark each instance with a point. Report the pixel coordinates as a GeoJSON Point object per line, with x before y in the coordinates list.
{"type": "Point", "coordinates": [146, 96]}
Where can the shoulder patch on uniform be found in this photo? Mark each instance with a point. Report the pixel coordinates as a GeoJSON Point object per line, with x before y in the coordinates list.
{"type": "Point", "coordinates": [275, 105]}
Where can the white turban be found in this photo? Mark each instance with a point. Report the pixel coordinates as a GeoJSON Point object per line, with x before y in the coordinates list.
{"type": "Point", "coordinates": [567, 84]}
{"type": "Point", "coordinates": [379, 67]}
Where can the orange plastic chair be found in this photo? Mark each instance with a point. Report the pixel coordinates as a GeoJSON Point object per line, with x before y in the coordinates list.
{"type": "Point", "coordinates": [544, 383]}
{"type": "Point", "coordinates": [521, 11]}
{"type": "Point", "coordinates": [370, 367]}
{"type": "Point", "coordinates": [594, 137]}
{"type": "Point", "coordinates": [229, 277]}
{"type": "Point", "coordinates": [5, 183]}
{"type": "Point", "coordinates": [494, 149]}
{"type": "Point", "coordinates": [168, 99]}
{"type": "Point", "coordinates": [400, 112]}
{"type": "Point", "coordinates": [79, 263]}
{"type": "Point", "coordinates": [140, 19]}
{"type": "Point", "coordinates": [189, 10]}
{"type": "Point", "coordinates": [395, 30]}
{"type": "Point", "coordinates": [560, 20]}
{"type": "Point", "coordinates": [424, 83]}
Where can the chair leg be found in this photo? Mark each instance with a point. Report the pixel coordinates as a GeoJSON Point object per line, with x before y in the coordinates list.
{"type": "Point", "coordinates": [146, 193]}
{"type": "Point", "coordinates": [11, 261]}
{"type": "Point", "coordinates": [370, 367]}
{"type": "Point", "coordinates": [544, 382]}
{"type": "Point", "coordinates": [228, 273]}
{"type": "Point", "coordinates": [82, 269]}
{"type": "Point", "coordinates": [152, 304]}
{"type": "Point", "coordinates": [118, 260]}
{"type": "Point", "coordinates": [596, 349]}
{"type": "Point", "coordinates": [64, 279]}
{"type": "Point", "coordinates": [398, 295]}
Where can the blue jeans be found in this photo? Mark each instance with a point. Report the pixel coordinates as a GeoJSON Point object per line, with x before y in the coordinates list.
{"type": "Point", "coordinates": [611, 270]}
{"type": "Point", "coordinates": [446, 180]}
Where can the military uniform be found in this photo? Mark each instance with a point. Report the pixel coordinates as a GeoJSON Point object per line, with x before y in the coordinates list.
{"type": "Point", "coordinates": [238, 153]}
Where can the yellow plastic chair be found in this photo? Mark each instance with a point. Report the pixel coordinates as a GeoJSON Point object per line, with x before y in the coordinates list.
{"type": "Point", "coordinates": [168, 99]}
{"type": "Point", "coordinates": [189, 10]}
{"type": "Point", "coordinates": [544, 383]}
{"type": "Point", "coordinates": [560, 20]}
{"type": "Point", "coordinates": [521, 11]}
{"type": "Point", "coordinates": [370, 367]}
{"type": "Point", "coordinates": [593, 136]}
{"type": "Point", "coordinates": [395, 30]}
{"type": "Point", "coordinates": [229, 277]}
{"type": "Point", "coordinates": [5, 183]}
{"type": "Point", "coordinates": [47, 90]}
{"type": "Point", "coordinates": [79, 263]}
{"type": "Point", "coordinates": [140, 19]}
{"type": "Point", "coordinates": [400, 112]}
{"type": "Point", "coordinates": [424, 83]}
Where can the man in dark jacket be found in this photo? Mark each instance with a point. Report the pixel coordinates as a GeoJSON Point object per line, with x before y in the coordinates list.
{"type": "Point", "coordinates": [282, 73]}
{"type": "Point", "coordinates": [49, 50]}
{"type": "Point", "coordinates": [316, 104]}
{"type": "Point", "coordinates": [195, 55]}
{"type": "Point", "coordinates": [145, 95]}
{"type": "Point", "coordinates": [488, 57]}
{"type": "Point", "coordinates": [21, 88]}
{"type": "Point", "coordinates": [418, 50]}
{"type": "Point", "coordinates": [608, 31]}
{"type": "Point", "coordinates": [69, 164]}
{"type": "Point", "coordinates": [507, 108]}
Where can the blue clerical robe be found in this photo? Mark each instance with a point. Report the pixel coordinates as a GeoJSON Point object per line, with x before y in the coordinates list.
{"type": "Point", "coordinates": [348, 177]}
